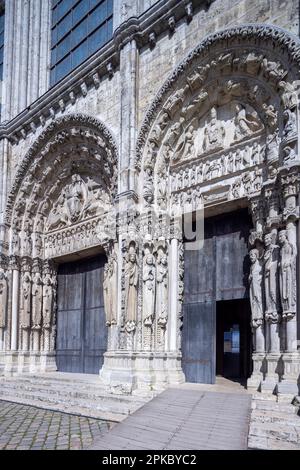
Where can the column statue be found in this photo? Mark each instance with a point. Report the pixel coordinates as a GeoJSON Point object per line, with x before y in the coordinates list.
{"type": "Point", "coordinates": [162, 292]}
{"type": "Point", "coordinates": [37, 296]}
{"type": "Point", "coordinates": [148, 289]}
{"type": "Point", "coordinates": [287, 275]}
{"type": "Point", "coordinates": [131, 285]}
{"type": "Point", "coordinates": [3, 298]}
{"type": "Point", "coordinates": [26, 301]}
{"type": "Point", "coordinates": [48, 297]}
{"type": "Point", "coordinates": [255, 280]}
{"type": "Point", "coordinates": [271, 259]}
{"type": "Point", "coordinates": [110, 290]}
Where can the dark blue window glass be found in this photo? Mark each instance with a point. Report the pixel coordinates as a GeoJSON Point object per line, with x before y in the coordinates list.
{"type": "Point", "coordinates": [79, 28]}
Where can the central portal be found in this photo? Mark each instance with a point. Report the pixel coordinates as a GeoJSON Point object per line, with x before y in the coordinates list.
{"type": "Point", "coordinates": [216, 305]}
{"type": "Point", "coordinates": [81, 330]}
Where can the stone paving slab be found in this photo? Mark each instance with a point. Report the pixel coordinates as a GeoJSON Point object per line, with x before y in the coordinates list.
{"type": "Point", "coordinates": [184, 419]}
{"type": "Point", "coordinates": [24, 427]}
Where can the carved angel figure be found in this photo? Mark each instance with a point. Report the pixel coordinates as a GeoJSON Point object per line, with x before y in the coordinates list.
{"type": "Point", "coordinates": [246, 123]}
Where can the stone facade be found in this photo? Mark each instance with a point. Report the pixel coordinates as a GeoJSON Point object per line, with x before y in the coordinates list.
{"type": "Point", "coordinates": [192, 105]}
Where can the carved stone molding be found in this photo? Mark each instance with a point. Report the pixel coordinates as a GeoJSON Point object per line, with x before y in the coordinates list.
{"type": "Point", "coordinates": [244, 35]}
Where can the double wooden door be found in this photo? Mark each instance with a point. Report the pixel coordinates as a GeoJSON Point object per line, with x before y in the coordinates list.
{"type": "Point", "coordinates": [81, 331]}
{"type": "Point", "coordinates": [217, 272]}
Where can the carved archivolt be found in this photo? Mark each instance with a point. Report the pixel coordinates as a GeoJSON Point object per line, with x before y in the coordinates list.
{"type": "Point", "coordinates": [68, 177]}
{"type": "Point", "coordinates": [220, 118]}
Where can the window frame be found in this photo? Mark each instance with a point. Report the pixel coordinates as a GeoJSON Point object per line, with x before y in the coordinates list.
{"type": "Point", "coordinates": [66, 43]}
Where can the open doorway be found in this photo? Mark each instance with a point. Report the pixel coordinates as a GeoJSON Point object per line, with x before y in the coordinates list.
{"type": "Point", "coordinates": [233, 339]}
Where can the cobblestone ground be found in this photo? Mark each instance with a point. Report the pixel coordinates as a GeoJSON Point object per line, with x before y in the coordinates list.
{"type": "Point", "coordinates": [25, 427]}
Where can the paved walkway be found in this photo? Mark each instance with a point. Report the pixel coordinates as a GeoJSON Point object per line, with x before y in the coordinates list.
{"type": "Point", "coordinates": [27, 427]}
{"type": "Point", "coordinates": [184, 418]}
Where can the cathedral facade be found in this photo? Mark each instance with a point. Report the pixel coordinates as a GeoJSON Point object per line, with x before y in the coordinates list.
{"type": "Point", "coordinates": [149, 191]}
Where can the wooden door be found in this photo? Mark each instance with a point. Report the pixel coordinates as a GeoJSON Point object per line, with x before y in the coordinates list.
{"type": "Point", "coordinates": [216, 272]}
{"type": "Point", "coordinates": [198, 334]}
{"type": "Point", "coordinates": [81, 332]}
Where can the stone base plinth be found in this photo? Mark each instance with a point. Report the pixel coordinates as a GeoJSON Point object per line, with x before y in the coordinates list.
{"type": "Point", "coordinates": [24, 362]}
{"type": "Point", "coordinates": [140, 372]}
{"type": "Point", "coordinates": [259, 371]}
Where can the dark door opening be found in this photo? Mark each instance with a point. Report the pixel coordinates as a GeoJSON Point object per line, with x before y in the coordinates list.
{"type": "Point", "coordinates": [81, 331]}
{"type": "Point", "coordinates": [233, 339]}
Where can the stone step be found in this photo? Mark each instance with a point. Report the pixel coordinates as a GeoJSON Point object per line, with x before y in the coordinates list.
{"type": "Point", "coordinates": [64, 408]}
{"type": "Point", "coordinates": [73, 389]}
{"type": "Point", "coordinates": [277, 431]}
{"type": "Point", "coordinates": [271, 406]}
{"type": "Point", "coordinates": [106, 409]}
{"type": "Point", "coordinates": [259, 443]}
{"type": "Point", "coordinates": [275, 417]}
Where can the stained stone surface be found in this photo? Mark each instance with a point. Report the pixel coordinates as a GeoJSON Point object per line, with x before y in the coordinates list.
{"type": "Point", "coordinates": [29, 428]}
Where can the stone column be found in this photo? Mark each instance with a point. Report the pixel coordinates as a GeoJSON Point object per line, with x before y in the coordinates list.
{"type": "Point", "coordinates": [171, 338]}
{"type": "Point", "coordinates": [14, 265]}
{"type": "Point", "coordinates": [9, 45]}
{"type": "Point", "coordinates": [24, 48]}
{"type": "Point", "coordinates": [128, 115]}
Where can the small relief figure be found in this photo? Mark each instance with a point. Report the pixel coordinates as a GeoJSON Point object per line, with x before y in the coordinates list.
{"type": "Point", "coordinates": [37, 299]}
{"type": "Point", "coordinates": [272, 70]}
{"type": "Point", "coordinates": [15, 243]}
{"type": "Point", "coordinates": [162, 289]}
{"type": "Point", "coordinates": [255, 282]}
{"type": "Point", "coordinates": [162, 192]}
{"type": "Point", "coordinates": [185, 146]}
{"type": "Point", "coordinates": [236, 188]}
{"type": "Point", "coordinates": [148, 289]}
{"type": "Point", "coordinates": [230, 163]}
{"type": "Point", "coordinates": [287, 275]}
{"type": "Point", "coordinates": [255, 154]}
{"type": "Point", "coordinates": [246, 156]}
{"type": "Point", "coordinates": [58, 216]}
{"type": "Point", "coordinates": [131, 286]}
{"type": "Point", "coordinates": [289, 95]}
{"type": "Point", "coordinates": [75, 197]}
{"type": "Point", "coordinates": [290, 126]}
{"type": "Point", "coordinates": [214, 133]}
{"type": "Point", "coordinates": [148, 186]}
{"type": "Point", "coordinates": [3, 298]}
{"type": "Point", "coordinates": [215, 169]}
{"type": "Point", "coordinates": [26, 301]}
{"type": "Point", "coordinates": [246, 123]}
{"type": "Point", "coordinates": [238, 160]}
{"type": "Point", "coordinates": [271, 115]}
{"type": "Point", "coordinates": [247, 182]}
{"type": "Point", "coordinates": [193, 175]}
{"type": "Point", "coordinates": [272, 145]}
{"type": "Point", "coordinates": [271, 259]}
{"type": "Point", "coordinates": [175, 101]}
{"type": "Point", "coordinates": [110, 290]}
{"type": "Point", "coordinates": [289, 155]}
{"type": "Point", "coordinates": [174, 182]}
{"type": "Point", "coordinates": [257, 179]}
